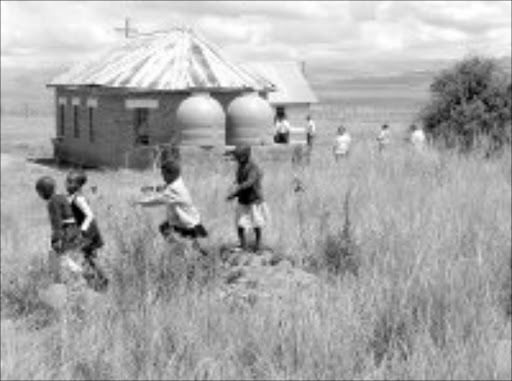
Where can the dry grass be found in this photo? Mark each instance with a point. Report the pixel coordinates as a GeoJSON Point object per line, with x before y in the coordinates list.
{"type": "Point", "coordinates": [431, 234]}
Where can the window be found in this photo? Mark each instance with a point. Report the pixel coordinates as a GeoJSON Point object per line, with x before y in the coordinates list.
{"type": "Point", "coordinates": [141, 126]}
{"type": "Point", "coordinates": [91, 124]}
{"type": "Point", "coordinates": [76, 125]}
{"type": "Point", "coordinates": [62, 119]}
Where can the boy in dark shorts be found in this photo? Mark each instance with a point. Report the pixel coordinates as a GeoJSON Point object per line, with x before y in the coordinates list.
{"type": "Point", "coordinates": [183, 218]}
{"type": "Point", "coordinates": [65, 236]}
{"type": "Point", "coordinates": [90, 232]}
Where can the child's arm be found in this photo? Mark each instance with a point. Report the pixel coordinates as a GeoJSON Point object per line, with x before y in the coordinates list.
{"type": "Point", "coordinates": [159, 198]}
{"type": "Point", "coordinates": [154, 200]}
{"type": "Point", "coordinates": [81, 202]}
{"type": "Point", "coordinates": [251, 180]}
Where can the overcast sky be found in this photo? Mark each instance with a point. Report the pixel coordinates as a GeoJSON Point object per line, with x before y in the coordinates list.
{"type": "Point", "coordinates": [44, 33]}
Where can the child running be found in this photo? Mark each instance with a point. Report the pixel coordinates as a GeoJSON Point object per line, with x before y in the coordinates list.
{"type": "Point", "coordinates": [251, 211]}
{"type": "Point", "coordinates": [183, 218]}
{"type": "Point", "coordinates": [65, 234]}
{"type": "Point", "coordinates": [90, 232]}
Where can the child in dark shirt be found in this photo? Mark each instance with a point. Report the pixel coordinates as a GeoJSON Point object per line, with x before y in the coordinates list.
{"type": "Point", "coordinates": [65, 234]}
{"type": "Point", "coordinates": [90, 233]}
{"type": "Point", "coordinates": [251, 211]}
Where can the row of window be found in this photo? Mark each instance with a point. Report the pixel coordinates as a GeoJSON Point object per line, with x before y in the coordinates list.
{"type": "Point", "coordinates": [140, 109]}
{"type": "Point", "coordinates": [76, 121]}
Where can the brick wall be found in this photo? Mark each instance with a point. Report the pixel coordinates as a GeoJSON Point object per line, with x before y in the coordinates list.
{"type": "Point", "coordinates": [108, 121]}
{"type": "Point", "coordinates": [114, 125]}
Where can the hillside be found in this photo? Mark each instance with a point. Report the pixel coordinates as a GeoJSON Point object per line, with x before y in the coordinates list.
{"type": "Point", "coordinates": [350, 83]}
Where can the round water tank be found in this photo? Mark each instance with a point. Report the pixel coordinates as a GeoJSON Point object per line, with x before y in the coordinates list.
{"type": "Point", "coordinates": [249, 121]}
{"type": "Point", "coordinates": [201, 121]}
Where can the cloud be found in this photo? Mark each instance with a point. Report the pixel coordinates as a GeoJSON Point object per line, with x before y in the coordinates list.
{"type": "Point", "coordinates": [361, 35]}
{"type": "Point", "coordinates": [278, 9]}
{"type": "Point", "coordinates": [471, 17]}
{"type": "Point", "coordinates": [235, 29]}
{"type": "Point", "coordinates": [33, 33]}
{"type": "Point", "coordinates": [363, 10]}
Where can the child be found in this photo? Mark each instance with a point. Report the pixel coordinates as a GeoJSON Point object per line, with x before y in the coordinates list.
{"type": "Point", "coordinates": [417, 137]}
{"type": "Point", "coordinates": [310, 130]}
{"type": "Point", "coordinates": [384, 138]}
{"type": "Point", "coordinates": [282, 127]}
{"type": "Point", "coordinates": [251, 211]}
{"type": "Point", "coordinates": [342, 143]}
{"type": "Point", "coordinates": [183, 218]}
{"type": "Point", "coordinates": [65, 234]}
{"type": "Point", "coordinates": [90, 233]}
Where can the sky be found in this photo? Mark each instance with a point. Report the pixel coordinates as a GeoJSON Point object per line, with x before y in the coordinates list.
{"type": "Point", "coordinates": [339, 40]}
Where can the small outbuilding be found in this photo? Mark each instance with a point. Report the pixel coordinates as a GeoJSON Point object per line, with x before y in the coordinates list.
{"type": "Point", "coordinates": [293, 95]}
{"type": "Point", "coordinates": [113, 110]}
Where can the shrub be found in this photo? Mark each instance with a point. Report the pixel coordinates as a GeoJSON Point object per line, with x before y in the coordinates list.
{"type": "Point", "coordinates": [470, 101]}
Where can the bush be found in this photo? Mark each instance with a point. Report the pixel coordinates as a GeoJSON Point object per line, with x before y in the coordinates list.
{"type": "Point", "coordinates": [470, 103]}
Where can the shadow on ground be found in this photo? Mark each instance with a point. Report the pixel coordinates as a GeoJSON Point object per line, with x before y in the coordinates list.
{"type": "Point", "coordinates": [50, 162]}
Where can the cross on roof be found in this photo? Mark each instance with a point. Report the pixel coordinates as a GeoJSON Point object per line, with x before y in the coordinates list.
{"type": "Point", "coordinates": [127, 29]}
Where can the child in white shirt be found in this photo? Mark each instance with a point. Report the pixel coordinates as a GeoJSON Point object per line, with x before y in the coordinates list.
{"type": "Point", "coordinates": [183, 218]}
{"type": "Point", "coordinates": [282, 127]}
{"type": "Point", "coordinates": [418, 139]}
{"type": "Point", "coordinates": [342, 143]}
{"type": "Point", "coordinates": [91, 237]}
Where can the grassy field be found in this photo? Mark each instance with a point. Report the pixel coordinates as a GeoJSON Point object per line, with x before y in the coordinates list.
{"type": "Point", "coordinates": [431, 234]}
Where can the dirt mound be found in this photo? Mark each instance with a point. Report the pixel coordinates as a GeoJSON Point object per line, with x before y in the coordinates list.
{"type": "Point", "coordinates": [251, 278]}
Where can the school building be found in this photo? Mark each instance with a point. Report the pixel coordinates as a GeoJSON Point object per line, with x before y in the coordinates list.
{"type": "Point", "coordinates": [114, 109]}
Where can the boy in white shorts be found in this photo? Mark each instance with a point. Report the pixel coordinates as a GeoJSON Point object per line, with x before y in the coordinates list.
{"type": "Point", "coordinates": [251, 211]}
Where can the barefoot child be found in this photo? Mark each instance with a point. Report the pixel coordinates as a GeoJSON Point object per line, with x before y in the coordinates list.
{"type": "Point", "coordinates": [183, 218]}
{"type": "Point", "coordinates": [251, 211]}
{"type": "Point", "coordinates": [65, 234]}
{"type": "Point", "coordinates": [91, 236]}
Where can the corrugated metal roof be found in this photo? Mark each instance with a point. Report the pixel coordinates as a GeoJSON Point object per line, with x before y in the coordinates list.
{"type": "Point", "coordinates": [291, 85]}
{"type": "Point", "coordinates": [176, 60]}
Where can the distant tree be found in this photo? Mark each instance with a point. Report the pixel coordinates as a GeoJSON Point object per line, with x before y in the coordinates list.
{"type": "Point", "coordinates": [470, 103]}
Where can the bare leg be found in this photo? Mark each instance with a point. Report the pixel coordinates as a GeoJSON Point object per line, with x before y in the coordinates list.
{"type": "Point", "coordinates": [241, 238]}
{"type": "Point", "coordinates": [94, 274]}
{"type": "Point", "coordinates": [257, 232]}
{"type": "Point", "coordinates": [197, 246]}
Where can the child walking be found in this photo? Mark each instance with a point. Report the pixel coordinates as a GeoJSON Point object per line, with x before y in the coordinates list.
{"type": "Point", "coordinates": [92, 239]}
{"type": "Point", "coordinates": [65, 234]}
{"type": "Point", "coordinates": [418, 138]}
{"type": "Point", "coordinates": [310, 131]}
{"type": "Point", "coordinates": [251, 211]}
{"type": "Point", "coordinates": [342, 143]}
{"type": "Point", "coordinates": [384, 137]}
{"type": "Point", "coordinates": [183, 217]}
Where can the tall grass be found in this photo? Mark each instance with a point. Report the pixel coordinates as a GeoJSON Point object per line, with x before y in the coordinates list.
{"type": "Point", "coordinates": [431, 295]}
